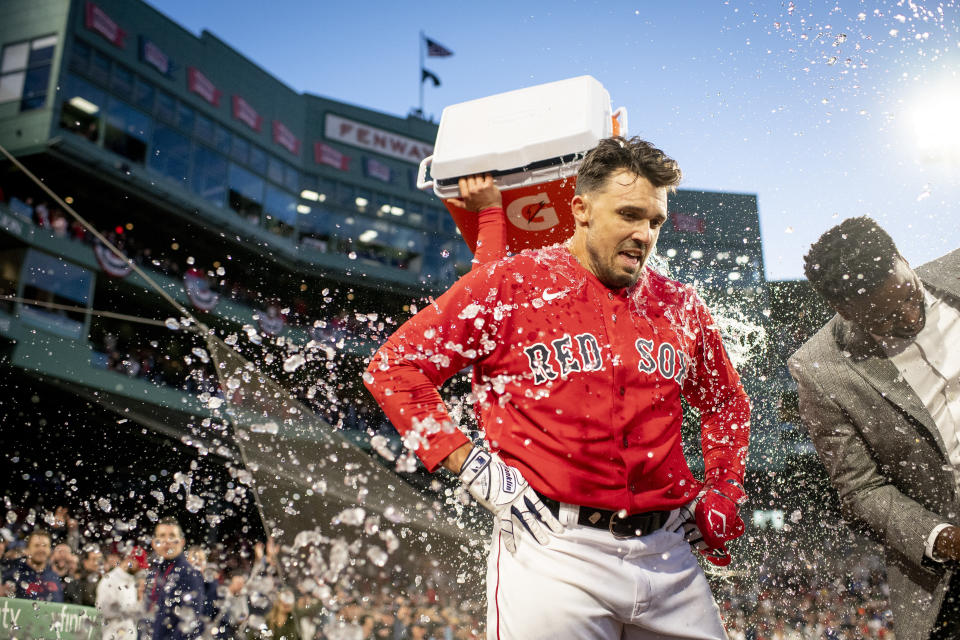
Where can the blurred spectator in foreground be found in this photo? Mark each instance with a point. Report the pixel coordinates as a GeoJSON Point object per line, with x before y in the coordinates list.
{"type": "Point", "coordinates": [82, 589]}
{"type": "Point", "coordinates": [281, 624]}
{"type": "Point", "coordinates": [234, 608]}
{"type": "Point", "coordinates": [174, 588]}
{"type": "Point", "coordinates": [197, 557]}
{"type": "Point", "coordinates": [31, 577]}
{"type": "Point", "coordinates": [65, 529]}
{"type": "Point", "coordinates": [118, 598]}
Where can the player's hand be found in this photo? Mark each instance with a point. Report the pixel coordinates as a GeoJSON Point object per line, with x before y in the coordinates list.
{"type": "Point", "coordinates": [503, 491]}
{"type": "Point", "coordinates": [478, 193]}
{"type": "Point", "coordinates": [711, 519]}
{"type": "Point", "coordinates": [716, 509]}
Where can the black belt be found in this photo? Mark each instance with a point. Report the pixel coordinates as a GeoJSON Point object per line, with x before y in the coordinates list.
{"type": "Point", "coordinates": [639, 524]}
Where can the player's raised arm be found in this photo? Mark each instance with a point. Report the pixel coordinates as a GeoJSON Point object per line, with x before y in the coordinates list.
{"type": "Point", "coordinates": [480, 195]}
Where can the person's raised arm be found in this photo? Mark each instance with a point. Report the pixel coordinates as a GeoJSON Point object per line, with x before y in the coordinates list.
{"type": "Point", "coordinates": [480, 195]}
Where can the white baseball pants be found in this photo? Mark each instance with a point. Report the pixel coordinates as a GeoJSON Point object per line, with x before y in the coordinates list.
{"type": "Point", "coordinates": [586, 584]}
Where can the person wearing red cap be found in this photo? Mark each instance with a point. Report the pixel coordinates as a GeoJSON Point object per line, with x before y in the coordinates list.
{"type": "Point", "coordinates": [117, 597]}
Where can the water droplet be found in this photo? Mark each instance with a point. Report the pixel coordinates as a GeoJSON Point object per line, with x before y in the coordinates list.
{"type": "Point", "coordinates": [104, 505]}
{"type": "Point", "coordinates": [294, 362]}
{"type": "Point", "coordinates": [445, 253]}
{"type": "Point", "coordinates": [194, 503]}
{"type": "Point", "coordinates": [172, 324]}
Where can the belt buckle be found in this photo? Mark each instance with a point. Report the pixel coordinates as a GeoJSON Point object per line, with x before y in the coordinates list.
{"type": "Point", "coordinates": [613, 519]}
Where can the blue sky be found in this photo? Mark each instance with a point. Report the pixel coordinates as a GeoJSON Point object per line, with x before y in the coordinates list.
{"type": "Point", "coordinates": [809, 105]}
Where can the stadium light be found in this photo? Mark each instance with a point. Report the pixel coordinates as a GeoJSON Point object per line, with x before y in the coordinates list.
{"type": "Point", "coordinates": [307, 194]}
{"type": "Point", "coordinates": [302, 208]}
{"type": "Point", "coordinates": [84, 105]}
{"type": "Point", "coordinates": [397, 211]}
{"type": "Point", "coordinates": [367, 236]}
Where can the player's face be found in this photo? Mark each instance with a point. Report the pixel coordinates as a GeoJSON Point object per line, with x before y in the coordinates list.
{"type": "Point", "coordinates": [895, 309]}
{"type": "Point", "coordinates": [618, 227]}
{"type": "Point", "coordinates": [38, 550]}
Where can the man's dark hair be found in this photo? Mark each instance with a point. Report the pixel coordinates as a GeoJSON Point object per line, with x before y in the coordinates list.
{"type": "Point", "coordinates": [169, 521]}
{"type": "Point", "coordinates": [851, 259]}
{"type": "Point", "coordinates": [636, 155]}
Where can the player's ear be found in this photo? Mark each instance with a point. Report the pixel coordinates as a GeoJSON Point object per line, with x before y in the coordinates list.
{"type": "Point", "coordinates": [580, 206]}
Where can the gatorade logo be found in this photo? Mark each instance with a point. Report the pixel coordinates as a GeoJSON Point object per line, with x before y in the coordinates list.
{"type": "Point", "coordinates": [532, 213]}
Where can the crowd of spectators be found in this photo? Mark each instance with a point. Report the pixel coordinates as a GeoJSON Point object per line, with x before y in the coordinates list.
{"type": "Point", "coordinates": [158, 587]}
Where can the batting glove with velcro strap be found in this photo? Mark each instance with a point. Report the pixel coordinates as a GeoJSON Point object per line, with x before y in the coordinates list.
{"type": "Point", "coordinates": [712, 519]}
{"type": "Point", "coordinates": [503, 491]}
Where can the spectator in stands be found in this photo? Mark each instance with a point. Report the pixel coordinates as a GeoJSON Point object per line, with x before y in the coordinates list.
{"type": "Point", "coordinates": [234, 608]}
{"type": "Point", "coordinates": [197, 557]}
{"type": "Point", "coordinates": [174, 590]}
{"type": "Point", "coordinates": [281, 624]}
{"type": "Point", "coordinates": [82, 589]}
{"type": "Point", "coordinates": [119, 599]}
{"type": "Point", "coordinates": [64, 562]}
{"type": "Point", "coordinates": [65, 529]}
{"type": "Point", "coordinates": [31, 577]}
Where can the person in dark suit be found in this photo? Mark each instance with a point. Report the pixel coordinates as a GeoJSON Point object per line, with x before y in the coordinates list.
{"type": "Point", "coordinates": [174, 589]}
{"type": "Point", "coordinates": [879, 391]}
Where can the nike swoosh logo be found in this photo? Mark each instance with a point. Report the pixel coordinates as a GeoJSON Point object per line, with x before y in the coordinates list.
{"type": "Point", "coordinates": [547, 295]}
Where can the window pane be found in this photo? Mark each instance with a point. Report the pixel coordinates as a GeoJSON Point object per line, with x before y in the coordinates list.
{"type": "Point", "coordinates": [143, 94]}
{"type": "Point", "coordinates": [166, 107]}
{"type": "Point", "coordinates": [281, 211]}
{"type": "Point", "coordinates": [221, 139]}
{"type": "Point", "coordinates": [122, 81]}
{"type": "Point", "coordinates": [80, 56]}
{"type": "Point", "coordinates": [15, 57]}
{"type": "Point", "coordinates": [170, 154]}
{"type": "Point", "coordinates": [100, 67]}
{"type": "Point", "coordinates": [204, 129]}
{"type": "Point", "coordinates": [209, 175]}
{"type": "Point", "coordinates": [246, 183]}
{"type": "Point", "coordinates": [127, 131]}
{"type": "Point", "coordinates": [258, 160]}
{"type": "Point", "coordinates": [185, 117]}
{"type": "Point", "coordinates": [11, 86]}
{"type": "Point", "coordinates": [245, 193]}
{"type": "Point", "coordinates": [291, 178]}
{"type": "Point", "coordinates": [240, 149]}
{"type": "Point", "coordinates": [81, 108]}
{"type": "Point", "coordinates": [41, 50]}
{"type": "Point", "coordinates": [275, 170]}
{"type": "Point", "coordinates": [35, 88]}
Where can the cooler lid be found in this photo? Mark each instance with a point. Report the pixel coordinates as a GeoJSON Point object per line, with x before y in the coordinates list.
{"type": "Point", "coordinates": [514, 129]}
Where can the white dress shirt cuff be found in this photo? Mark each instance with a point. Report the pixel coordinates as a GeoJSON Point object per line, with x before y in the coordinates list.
{"type": "Point", "coordinates": [931, 539]}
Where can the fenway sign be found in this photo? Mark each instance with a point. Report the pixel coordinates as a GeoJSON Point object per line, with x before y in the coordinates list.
{"type": "Point", "coordinates": [246, 114]}
{"type": "Point", "coordinates": [97, 20]}
{"type": "Point", "coordinates": [200, 84]}
{"type": "Point", "coordinates": [362, 135]}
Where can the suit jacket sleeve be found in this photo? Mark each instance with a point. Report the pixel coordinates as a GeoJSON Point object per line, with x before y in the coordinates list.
{"type": "Point", "coordinates": [866, 493]}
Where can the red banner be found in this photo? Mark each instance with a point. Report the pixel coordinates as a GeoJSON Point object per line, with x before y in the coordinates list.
{"type": "Point", "coordinates": [325, 154]}
{"type": "Point", "coordinates": [378, 170]}
{"type": "Point", "coordinates": [285, 138]}
{"type": "Point", "coordinates": [154, 56]}
{"type": "Point", "coordinates": [98, 21]}
{"type": "Point", "coordinates": [199, 84]}
{"type": "Point", "coordinates": [246, 114]}
{"type": "Point", "coordinates": [686, 223]}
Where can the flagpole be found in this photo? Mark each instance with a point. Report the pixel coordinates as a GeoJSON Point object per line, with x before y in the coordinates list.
{"type": "Point", "coordinates": [420, 75]}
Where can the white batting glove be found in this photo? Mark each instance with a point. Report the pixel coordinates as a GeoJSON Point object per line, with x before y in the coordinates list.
{"type": "Point", "coordinates": [502, 490]}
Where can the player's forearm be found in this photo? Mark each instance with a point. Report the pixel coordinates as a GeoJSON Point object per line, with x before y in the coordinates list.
{"type": "Point", "coordinates": [725, 434]}
{"type": "Point", "coordinates": [454, 461]}
{"type": "Point", "coordinates": [491, 236]}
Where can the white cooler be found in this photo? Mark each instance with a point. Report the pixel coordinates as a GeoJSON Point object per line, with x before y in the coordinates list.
{"type": "Point", "coordinates": [532, 140]}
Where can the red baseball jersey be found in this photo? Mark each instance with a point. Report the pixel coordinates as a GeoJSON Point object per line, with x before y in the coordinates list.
{"type": "Point", "coordinates": [577, 385]}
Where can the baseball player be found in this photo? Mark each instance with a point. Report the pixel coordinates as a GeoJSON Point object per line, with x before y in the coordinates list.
{"type": "Point", "coordinates": [581, 355]}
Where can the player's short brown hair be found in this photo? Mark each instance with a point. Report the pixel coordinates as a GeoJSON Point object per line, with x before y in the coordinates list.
{"type": "Point", "coordinates": [633, 154]}
{"type": "Point", "coordinates": [41, 533]}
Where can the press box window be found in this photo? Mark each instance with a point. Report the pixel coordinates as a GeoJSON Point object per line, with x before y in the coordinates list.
{"type": "Point", "coordinates": [25, 72]}
{"type": "Point", "coordinates": [81, 107]}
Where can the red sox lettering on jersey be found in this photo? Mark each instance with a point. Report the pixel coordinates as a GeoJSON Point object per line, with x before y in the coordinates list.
{"type": "Point", "coordinates": [579, 386]}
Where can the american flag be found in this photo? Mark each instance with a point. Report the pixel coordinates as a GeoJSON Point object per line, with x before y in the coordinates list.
{"type": "Point", "coordinates": [437, 50]}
